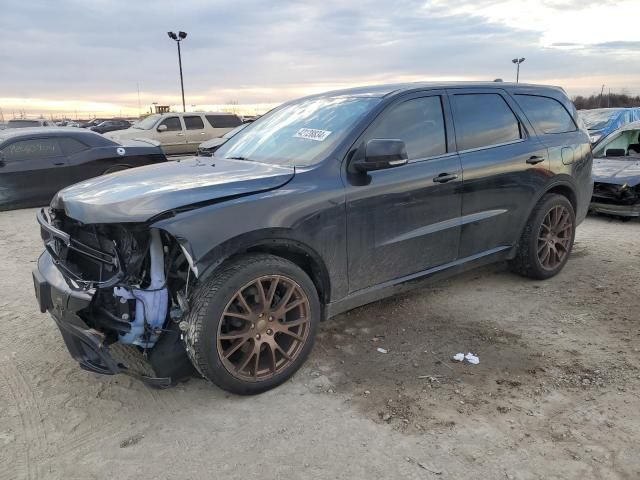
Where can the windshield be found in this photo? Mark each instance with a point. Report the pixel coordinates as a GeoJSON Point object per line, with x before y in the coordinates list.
{"type": "Point", "coordinates": [147, 123]}
{"type": "Point", "coordinates": [231, 133]}
{"type": "Point", "coordinates": [597, 119]}
{"type": "Point", "coordinates": [298, 133]}
{"type": "Point", "coordinates": [22, 123]}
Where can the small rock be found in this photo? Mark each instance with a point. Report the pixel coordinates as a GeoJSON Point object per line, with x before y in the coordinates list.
{"type": "Point", "coordinates": [386, 417]}
{"type": "Point", "coordinates": [367, 392]}
{"type": "Point", "coordinates": [330, 390]}
{"type": "Point", "coordinates": [586, 381]}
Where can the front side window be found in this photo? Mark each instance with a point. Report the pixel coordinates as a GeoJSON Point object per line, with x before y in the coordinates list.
{"type": "Point", "coordinates": [546, 114]}
{"type": "Point", "coordinates": [147, 123]}
{"type": "Point", "coordinates": [418, 122]}
{"type": "Point", "coordinates": [32, 149]}
{"type": "Point", "coordinates": [193, 123]}
{"type": "Point", "coordinates": [484, 120]}
{"type": "Point", "coordinates": [298, 133]}
{"type": "Point", "coordinates": [173, 124]}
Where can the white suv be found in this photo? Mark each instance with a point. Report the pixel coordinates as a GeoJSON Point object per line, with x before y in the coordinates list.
{"type": "Point", "coordinates": [180, 132]}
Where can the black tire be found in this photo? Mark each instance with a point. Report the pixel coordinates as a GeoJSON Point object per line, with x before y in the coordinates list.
{"type": "Point", "coordinates": [527, 261]}
{"type": "Point", "coordinates": [211, 300]}
{"type": "Point", "coordinates": [116, 168]}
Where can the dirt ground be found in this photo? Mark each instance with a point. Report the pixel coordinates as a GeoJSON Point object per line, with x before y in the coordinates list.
{"type": "Point", "coordinates": [556, 394]}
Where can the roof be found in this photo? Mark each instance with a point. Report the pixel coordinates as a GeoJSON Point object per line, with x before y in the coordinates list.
{"type": "Point", "coordinates": [381, 91]}
{"type": "Point", "coordinates": [87, 136]}
{"type": "Point", "coordinates": [52, 131]}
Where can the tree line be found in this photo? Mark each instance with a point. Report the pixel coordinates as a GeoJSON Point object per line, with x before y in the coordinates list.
{"type": "Point", "coordinates": [612, 100]}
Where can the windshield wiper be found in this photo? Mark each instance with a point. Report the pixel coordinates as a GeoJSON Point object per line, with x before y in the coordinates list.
{"type": "Point", "coordinates": [236, 158]}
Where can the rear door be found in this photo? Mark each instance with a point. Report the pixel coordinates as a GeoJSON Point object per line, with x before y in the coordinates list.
{"type": "Point", "coordinates": [173, 139]}
{"type": "Point", "coordinates": [31, 172]}
{"type": "Point", "coordinates": [405, 220]}
{"type": "Point", "coordinates": [195, 129]}
{"type": "Point", "coordinates": [504, 165]}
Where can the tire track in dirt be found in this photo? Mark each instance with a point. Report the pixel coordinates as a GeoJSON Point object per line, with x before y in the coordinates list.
{"type": "Point", "coordinates": [33, 432]}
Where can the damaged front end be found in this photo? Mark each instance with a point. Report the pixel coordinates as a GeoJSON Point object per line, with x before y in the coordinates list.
{"type": "Point", "coordinates": [117, 292]}
{"type": "Point", "coordinates": [616, 199]}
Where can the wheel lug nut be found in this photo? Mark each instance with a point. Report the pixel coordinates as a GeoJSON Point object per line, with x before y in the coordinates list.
{"type": "Point", "coordinates": [258, 336]}
{"type": "Point", "coordinates": [253, 325]}
{"type": "Point", "coordinates": [269, 332]}
{"type": "Point", "coordinates": [261, 315]}
{"type": "Point", "coordinates": [270, 318]}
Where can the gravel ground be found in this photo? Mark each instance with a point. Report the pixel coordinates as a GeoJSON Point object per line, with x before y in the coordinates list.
{"type": "Point", "coordinates": [556, 393]}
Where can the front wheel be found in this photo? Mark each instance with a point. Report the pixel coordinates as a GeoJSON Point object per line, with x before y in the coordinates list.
{"type": "Point", "coordinates": [253, 324]}
{"type": "Point", "coordinates": [547, 239]}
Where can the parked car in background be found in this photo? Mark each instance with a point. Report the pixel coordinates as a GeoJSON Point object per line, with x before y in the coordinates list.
{"type": "Point", "coordinates": [24, 123]}
{"type": "Point", "coordinates": [602, 121]}
{"type": "Point", "coordinates": [323, 204]}
{"type": "Point", "coordinates": [111, 126]}
{"type": "Point", "coordinates": [616, 173]}
{"type": "Point", "coordinates": [35, 162]}
{"type": "Point", "coordinates": [208, 148]}
{"type": "Point", "coordinates": [93, 123]}
{"type": "Point", "coordinates": [180, 132]}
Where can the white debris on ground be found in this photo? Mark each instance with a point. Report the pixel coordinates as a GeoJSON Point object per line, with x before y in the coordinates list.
{"type": "Point", "coordinates": [382, 350]}
{"type": "Point", "coordinates": [469, 357]}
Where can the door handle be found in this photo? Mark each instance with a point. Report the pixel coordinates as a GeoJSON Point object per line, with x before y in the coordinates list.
{"type": "Point", "coordinates": [445, 177]}
{"type": "Point", "coordinates": [58, 163]}
{"type": "Point", "coordinates": [535, 160]}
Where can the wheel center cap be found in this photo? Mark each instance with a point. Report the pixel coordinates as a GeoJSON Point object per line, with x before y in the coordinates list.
{"type": "Point", "coordinates": [261, 325]}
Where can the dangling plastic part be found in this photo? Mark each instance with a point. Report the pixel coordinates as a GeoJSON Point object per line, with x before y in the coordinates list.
{"type": "Point", "coordinates": [151, 304]}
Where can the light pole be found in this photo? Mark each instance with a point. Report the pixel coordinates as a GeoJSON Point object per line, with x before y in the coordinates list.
{"type": "Point", "coordinates": [178, 38]}
{"type": "Point", "coordinates": [517, 61]}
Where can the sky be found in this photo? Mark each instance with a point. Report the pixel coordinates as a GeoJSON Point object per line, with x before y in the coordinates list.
{"type": "Point", "coordinates": [92, 57]}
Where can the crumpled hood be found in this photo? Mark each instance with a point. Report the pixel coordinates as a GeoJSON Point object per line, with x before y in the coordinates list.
{"type": "Point", "coordinates": [138, 194]}
{"type": "Point", "coordinates": [214, 142]}
{"type": "Point", "coordinates": [619, 172]}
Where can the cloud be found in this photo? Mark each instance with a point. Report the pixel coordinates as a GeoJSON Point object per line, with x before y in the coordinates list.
{"type": "Point", "coordinates": [252, 51]}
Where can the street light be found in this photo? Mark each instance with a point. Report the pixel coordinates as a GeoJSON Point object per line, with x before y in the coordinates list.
{"type": "Point", "coordinates": [178, 38]}
{"type": "Point", "coordinates": [517, 61]}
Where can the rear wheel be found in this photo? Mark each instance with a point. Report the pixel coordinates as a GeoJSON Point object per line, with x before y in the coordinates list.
{"type": "Point", "coordinates": [547, 239]}
{"type": "Point", "coordinates": [253, 324]}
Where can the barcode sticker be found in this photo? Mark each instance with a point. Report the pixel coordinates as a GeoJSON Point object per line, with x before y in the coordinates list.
{"type": "Point", "coordinates": [312, 134]}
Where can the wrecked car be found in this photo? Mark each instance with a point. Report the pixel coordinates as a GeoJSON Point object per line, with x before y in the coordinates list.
{"type": "Point", "coordinates": [226, 264]}
{"type": "Point", "coordinates": [601, 122]}
{"type": "Point", "coordinates": [616, 173]}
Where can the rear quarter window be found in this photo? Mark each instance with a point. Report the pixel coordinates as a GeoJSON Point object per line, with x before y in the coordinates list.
{"type": "Point", "coordinates": [546, 114]}
{"type": "Point", "coordinates": [32, 149]}
{"type": "Point", "coordinates": [223, 121]}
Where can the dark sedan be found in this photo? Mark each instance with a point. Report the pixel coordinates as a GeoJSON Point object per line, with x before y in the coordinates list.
{"type": "Point", "coordinates": [111, 126]}
{"type": "Point", "coordinates": [35, 162]}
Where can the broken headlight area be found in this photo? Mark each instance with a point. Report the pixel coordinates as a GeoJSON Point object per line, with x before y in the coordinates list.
{"type": "Point", "coordinates": [138, 278]}
{"type": "Point", "coordinates": [609, 193]}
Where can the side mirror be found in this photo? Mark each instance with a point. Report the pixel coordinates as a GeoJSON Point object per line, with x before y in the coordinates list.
{"type": "Point", "coordinates": [382, 153]}
{"type": "Point", "coordinates": [162, 128]}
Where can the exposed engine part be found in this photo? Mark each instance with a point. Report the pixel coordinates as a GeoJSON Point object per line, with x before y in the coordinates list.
{"type": "Point", "coordinates": [150, 303]}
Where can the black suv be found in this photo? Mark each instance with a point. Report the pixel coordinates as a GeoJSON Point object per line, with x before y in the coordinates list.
{"type": "Point", "coordinates": [228, 263]}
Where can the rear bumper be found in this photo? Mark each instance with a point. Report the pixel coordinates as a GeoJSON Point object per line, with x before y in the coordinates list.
{"type": "Point", "coordinates": [85, 344]}
{"type": "Point", "coordinates": [613, 209]}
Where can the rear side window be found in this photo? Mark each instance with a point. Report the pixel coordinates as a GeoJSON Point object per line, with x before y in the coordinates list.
{"type": "Point", "coordinates": [484, 120]}
{"type": "Point", "coordinates": [32, 149]}
{"type": "Point", "coordinates": [173, 124]}
{"type": "Point", "coordinates": [71, 146]}
{"type": "Point", "coordinates": [223, 121]}
{"type": "Point", "coordinates": [419, 123]}
{"type": "Point", "coordinates": [193, 123]}
{"type": "Point", "coordinates": [546, 114]}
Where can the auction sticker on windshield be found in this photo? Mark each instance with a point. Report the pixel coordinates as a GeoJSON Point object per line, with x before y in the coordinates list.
{"type": "Point", "coordinates": [312, 134]}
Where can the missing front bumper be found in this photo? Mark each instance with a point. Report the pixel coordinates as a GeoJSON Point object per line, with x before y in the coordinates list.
{"type": "Point", "coordinates": [85, 344]}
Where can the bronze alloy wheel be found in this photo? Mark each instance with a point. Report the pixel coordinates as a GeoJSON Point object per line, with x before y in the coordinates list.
{"type": "Point", "coordinates": [263, 328]}
{"type": "Point", "coordinates": [554, 237]}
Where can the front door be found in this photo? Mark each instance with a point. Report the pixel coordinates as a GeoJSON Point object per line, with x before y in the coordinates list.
{"type": "Point", "coordinates": [31, 172]}
{"type": "Point", "coordinates": [173, 139]}
{"type": "Point", "coordinates": [405, 219]}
